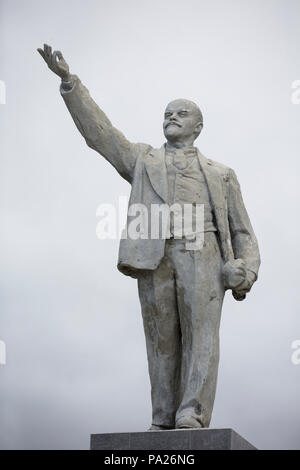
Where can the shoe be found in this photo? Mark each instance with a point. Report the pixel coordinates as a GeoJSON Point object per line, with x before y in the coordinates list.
{"type": "Point", "coordinates": [155, 427]}
{"type": "Point", "coordinates": [188, 422]}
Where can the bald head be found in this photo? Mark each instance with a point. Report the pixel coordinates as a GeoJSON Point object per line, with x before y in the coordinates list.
{"type": "Point", "coordinates": [183, 122]}
{"type": "Point", "coordinates": [187, 104]}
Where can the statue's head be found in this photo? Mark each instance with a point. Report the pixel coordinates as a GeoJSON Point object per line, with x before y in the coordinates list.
{"type": "Point", "coordinates": [183, 121]}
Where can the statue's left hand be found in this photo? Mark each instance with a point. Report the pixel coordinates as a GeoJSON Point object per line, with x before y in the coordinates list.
{"type": "Point", "coordinates": [238, 278]}
{"type": "Point", "coordinates": [234, 273]}
{"type": "Point", "coordinates": [247, 284]}
{"type": "Point", "coordinates": [55, 62]}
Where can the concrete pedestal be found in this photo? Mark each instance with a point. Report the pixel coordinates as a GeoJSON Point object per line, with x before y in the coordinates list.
{"type": "Point", "coordinates": [185, 439]}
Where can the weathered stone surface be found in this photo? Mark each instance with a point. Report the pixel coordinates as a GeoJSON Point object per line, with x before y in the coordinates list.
{"type": "Point", "coordinates": [181, 288]}
{"type": "Point", "coordinates": [194, 439]}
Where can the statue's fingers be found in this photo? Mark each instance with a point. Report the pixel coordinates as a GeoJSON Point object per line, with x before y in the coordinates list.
{"type": "Point", "coordinates": [48, 50]}
{"type": "Point", "coordinates": [59, 55]}
{"type": "Point", "coordinates": [54, 58]}
{"type": "Point", "coordinates": [239, 277]}
{"type": "Point", "coordinates": [41, 51]}
{"type": "Point", "coordinates": [241, 268]}
{"type": "Point", "coordinates": [241, 271]}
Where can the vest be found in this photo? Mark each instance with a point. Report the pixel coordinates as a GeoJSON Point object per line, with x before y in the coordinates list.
{"type": "Point", "coordinates": [187, 185]}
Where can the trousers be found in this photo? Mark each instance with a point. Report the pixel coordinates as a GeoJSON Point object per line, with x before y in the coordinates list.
{"type": "Point", "coordinates": [181, 304]}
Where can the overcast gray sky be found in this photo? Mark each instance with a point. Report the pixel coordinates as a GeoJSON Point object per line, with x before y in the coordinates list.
{"type": "Point", "coordinates": [76, 360]}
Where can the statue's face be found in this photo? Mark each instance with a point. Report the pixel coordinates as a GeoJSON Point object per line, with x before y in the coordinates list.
{"type": "Point", "coordinates": [182, 121]}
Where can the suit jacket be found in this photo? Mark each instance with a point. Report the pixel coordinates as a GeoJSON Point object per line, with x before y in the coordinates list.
{"type": "Point", "coordinates": [144, 168]}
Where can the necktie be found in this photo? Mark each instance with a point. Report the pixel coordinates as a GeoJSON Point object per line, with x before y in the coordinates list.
{"type": "Point", "coordinates": [182, 158]}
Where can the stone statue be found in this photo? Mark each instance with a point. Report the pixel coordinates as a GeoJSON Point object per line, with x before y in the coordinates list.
{"type": "Point", "coordinates": [181, 291]}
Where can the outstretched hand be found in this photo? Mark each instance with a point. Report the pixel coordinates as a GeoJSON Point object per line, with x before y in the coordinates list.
{"type": "Point", "coordinates": [55, 62]}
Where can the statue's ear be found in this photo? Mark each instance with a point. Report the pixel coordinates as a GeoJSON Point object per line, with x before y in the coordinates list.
{"type": "Point", "coordinates": [198, 128]}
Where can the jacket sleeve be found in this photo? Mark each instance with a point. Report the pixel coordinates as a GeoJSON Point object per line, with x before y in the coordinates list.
{"type": "Point", "coordinates": [97, 129]}
{"type": "Point", "coordinates": [243, 239]}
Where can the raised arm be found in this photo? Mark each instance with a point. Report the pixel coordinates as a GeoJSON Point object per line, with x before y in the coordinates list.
{"type": "Point", "coordinates": [90, 120]}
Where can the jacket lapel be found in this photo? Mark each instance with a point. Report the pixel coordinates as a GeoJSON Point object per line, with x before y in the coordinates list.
{"type": "Point", "coordinates": [215, 188]}
{"type": "Point", "coordinates": [156, 168]}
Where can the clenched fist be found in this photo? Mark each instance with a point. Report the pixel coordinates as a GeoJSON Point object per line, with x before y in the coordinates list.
{"type": "Point", "coordinates": [234, 273]}
{"type": "Point", "coordinates": [238, 278]}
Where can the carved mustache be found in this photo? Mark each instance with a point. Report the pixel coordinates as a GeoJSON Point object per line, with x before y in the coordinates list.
{"type": "Point", "coordinates": [174, 123]}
